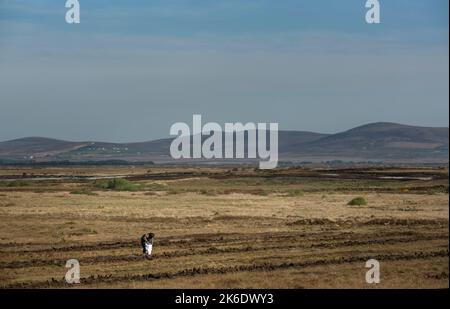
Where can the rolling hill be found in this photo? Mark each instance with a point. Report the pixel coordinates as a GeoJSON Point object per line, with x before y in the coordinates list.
{"type": "Point", "coordinates": [387, 142]}
{"type": "Point", "coordinates": [380, 141]}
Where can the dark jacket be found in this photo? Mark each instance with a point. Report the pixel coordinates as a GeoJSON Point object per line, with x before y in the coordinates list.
{"type": "Point", "coordinates": [146, 239]}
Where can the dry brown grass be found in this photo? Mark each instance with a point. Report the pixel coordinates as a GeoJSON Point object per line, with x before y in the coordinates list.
{"type": "Point", "coordinates": [233, 238]}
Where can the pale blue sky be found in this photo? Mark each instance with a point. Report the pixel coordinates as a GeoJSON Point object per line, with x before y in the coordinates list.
{"type": "Point", "coordinates": [133, 68]}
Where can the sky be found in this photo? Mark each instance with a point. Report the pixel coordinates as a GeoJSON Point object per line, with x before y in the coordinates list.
{"type": "Point", "coordinates": [132, 68]}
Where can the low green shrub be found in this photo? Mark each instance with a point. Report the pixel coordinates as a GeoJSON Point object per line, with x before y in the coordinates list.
{"type": "Point", "coordinates": [117, 184]}
{"type": "Point", "coordinates": [295, 192]}
{"type": "Point", "coordinates": [83, 191]}
{"type": "Point", "coordinates": [357, 201]}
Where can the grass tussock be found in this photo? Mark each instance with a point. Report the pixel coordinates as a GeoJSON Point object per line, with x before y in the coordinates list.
{"type": "Point", "coordinates": [118, 184]}
{"type": "Point", "coordinates": [295, 192]}
{"type": "Point", "coordinates": [357, 201]}
{"type": "Point", "coordinates": [83, 191]}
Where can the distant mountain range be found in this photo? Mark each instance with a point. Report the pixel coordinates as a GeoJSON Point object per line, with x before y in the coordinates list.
{"type": "Point", "coordinates": [382, 142]}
